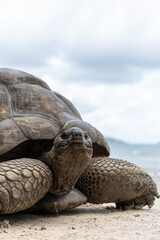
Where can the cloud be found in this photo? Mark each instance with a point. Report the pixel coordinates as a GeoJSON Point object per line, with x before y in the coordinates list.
{"type": "Point", "coordinates": [125, 111]}
{"type": "Point", "coordinates": [98, 41]}
{"type": "Point", "coordinates": [102, 55]}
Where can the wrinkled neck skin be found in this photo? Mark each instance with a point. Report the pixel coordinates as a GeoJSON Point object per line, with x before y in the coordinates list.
{"type": "Point", "coordinates": [66, 166]}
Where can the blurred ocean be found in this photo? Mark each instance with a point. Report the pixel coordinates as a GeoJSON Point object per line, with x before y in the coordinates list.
{"type": "Point", "coordinates": [146, 156]}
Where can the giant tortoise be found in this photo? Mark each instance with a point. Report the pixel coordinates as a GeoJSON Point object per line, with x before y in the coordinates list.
{"type": "Point", "coordinates": [51, 160]}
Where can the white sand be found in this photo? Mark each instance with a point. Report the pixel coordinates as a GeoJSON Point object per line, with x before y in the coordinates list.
{"type": "Point", "coordinates": [90, 222]}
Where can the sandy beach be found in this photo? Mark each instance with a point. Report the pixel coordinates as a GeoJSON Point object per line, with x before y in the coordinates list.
{"type": "Point", "coordinates": [90, 222]}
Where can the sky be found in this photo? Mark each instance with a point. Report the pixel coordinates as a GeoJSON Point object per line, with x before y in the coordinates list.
{"type": "Point", "coordinates": [102, 55]}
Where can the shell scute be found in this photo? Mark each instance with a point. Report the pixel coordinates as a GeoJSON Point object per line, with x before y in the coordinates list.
{"type": "Point", "coordinates": [5, 103]}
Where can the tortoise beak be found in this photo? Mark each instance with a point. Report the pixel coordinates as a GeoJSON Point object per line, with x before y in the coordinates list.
{"type": "Point", "coordinates": [76, 141]}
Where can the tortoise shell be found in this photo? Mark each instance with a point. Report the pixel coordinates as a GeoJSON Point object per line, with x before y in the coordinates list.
{"type": "Point", "coordinates": [29, 110]}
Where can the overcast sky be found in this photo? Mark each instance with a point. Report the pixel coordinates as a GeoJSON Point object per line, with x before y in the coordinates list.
{"type": "Point", "coordinates": [102, 55]}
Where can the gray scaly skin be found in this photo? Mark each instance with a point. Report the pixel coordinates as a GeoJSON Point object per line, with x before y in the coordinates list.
{"type": "Point", "coordinates": [108, 180]}
{"type": "Point", "coordinates": [23, 182]}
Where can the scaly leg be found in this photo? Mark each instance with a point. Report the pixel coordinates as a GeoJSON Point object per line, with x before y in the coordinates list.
{"type": "Point", "coordinates": [23, 182]}
{"type": "Point", "coordinates": [107, 180]}
{"type": "Point", "coordinates": [24, 185]}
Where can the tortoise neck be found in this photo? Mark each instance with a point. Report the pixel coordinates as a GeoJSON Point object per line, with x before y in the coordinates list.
{"type": "Point", "coordinates": [66, 164]}
{"type": "Point", "coordinates": [67, 168]}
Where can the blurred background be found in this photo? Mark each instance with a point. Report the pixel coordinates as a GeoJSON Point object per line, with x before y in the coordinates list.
{"type": "Point", "coordinates": [102, 55]}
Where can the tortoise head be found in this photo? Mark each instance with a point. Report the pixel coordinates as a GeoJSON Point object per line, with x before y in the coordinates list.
{"type": "Point", "coordinates": [73, 138]}
{"type": "Point", "coordinates": [72, 152]}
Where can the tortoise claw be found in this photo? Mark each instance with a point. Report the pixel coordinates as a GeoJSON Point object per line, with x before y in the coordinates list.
{"type": "Point", "coordinates": [137, 203]}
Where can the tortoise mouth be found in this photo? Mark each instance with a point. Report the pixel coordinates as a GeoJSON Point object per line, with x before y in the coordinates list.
{"type": "Point", "coordinates": [78, 144]}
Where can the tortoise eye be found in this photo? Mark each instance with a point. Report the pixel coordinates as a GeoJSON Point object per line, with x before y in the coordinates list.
{"type": "Point", "coordinates": [64, 135]}
{"type": "Point", "coordinates": [85, 136]}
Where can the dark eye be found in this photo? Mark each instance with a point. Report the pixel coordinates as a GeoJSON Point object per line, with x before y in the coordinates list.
{"type": "Point", "coordinates": [64, 135]}
{"type": "Point", "coordinates": [85, 136]}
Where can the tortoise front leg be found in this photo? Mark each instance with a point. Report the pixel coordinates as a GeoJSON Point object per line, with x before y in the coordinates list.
{"type": "Point", "coordinates": [107, 180]}
{"type": "Point", "coordinates": [23, 182]}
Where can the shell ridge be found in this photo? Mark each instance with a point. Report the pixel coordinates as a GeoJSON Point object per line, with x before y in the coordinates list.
{"type": "Point", "coordinates": [11, 101]}
{"type": "Point", "coordinates": [9, 105]}
{"type": "Point", "coordinates": [27, 137]}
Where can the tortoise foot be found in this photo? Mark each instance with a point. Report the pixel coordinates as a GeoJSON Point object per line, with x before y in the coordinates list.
{"type": "Point", "coordinates": [137, 203]}
{"type": "Point", "coordinates": [53, 203]}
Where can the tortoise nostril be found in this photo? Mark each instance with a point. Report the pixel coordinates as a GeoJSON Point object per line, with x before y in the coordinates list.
{"type": "Point", "coordinates": [77, 135]}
